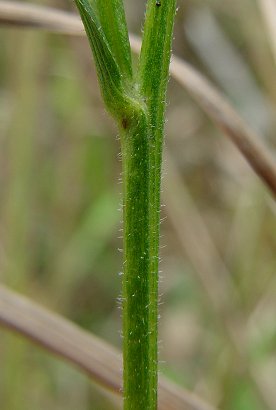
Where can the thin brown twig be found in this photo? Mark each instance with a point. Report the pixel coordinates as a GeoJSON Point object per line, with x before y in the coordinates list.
{"type": "Point", "coordinates": [207, 96]}
{"type": "Point", "coordinates": [35, 16]}
{"type": "Point", "coordinates": [102, 362]}
{"type": "Point", "coordinates": [228, 120]}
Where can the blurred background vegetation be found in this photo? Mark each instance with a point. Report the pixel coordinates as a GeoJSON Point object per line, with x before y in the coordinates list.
{"type": "Point", "coordinates": [60, 217]}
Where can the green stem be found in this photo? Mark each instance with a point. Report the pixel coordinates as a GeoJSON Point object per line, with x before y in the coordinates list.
{"type": "Point", "coordinates": [138, 365]}
{"type": "Point", "coordinates": [142, 160]}
{"type": "Point", "coordinates": [139, 110]}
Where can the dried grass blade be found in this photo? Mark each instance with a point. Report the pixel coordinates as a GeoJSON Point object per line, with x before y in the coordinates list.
{"type": "Point", "coordinates": [228, 120]}
{"type": "Point", "coordinates": [31, 15]}
{"type": "Point", "coordinates": [102, 362]}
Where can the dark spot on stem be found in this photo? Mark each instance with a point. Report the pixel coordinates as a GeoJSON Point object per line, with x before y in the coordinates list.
{"type": "Point", "coordinates": [124, 123]}
{"type": "Point", "coordinates": [158, 3]}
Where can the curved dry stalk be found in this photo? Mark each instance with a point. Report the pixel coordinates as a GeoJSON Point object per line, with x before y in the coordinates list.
{"type": "Point", "coordinates": [32, 15]}
{"type": "Point", "coordinates": [60, 336]}
{"type": "Point", "coordinates": [228, 120]}
{"type": "Point", "coordinates": [207, 96]}
{"type": "Point", "coordinates": [102, 362]}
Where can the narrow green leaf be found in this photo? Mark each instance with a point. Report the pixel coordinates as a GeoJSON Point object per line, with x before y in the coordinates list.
{"type": "Point", "coordinates": [113, 22]}
{"type": "Point", "coordinates": [109, 74]}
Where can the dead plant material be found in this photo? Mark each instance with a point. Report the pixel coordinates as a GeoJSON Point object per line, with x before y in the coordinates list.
{"type": "Point", "coordinates": [102, 362]}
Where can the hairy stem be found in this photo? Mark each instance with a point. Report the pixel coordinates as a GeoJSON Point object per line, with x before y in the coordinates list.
{"type": "Point", "coordinates": [139, 110]}
{"type": "Point", "coordinates": [137, 303]}
{"type": "Point", "coordinates": [142, 160]}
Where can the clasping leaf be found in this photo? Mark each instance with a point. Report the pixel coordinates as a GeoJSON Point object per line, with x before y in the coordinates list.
{"type": "Point", "coordinates": [109, 75]}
